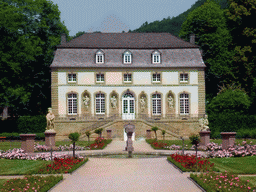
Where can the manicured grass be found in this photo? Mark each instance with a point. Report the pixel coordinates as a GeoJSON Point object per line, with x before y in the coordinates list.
{"type": "Point", "coordinates": [2, 181]}
{"type": "Point", "coordinates": [178, 142]}
{"type": "Point", "coordinates": [9, 145]}
{"type": "Point", "coordinates": [19, 167]}
{"type": "Point", "coordinates": [252, 180]}
{"type": "Point", "coordinates": [31, 183]}
{"type": "Point", "coordinates": [238, 165]}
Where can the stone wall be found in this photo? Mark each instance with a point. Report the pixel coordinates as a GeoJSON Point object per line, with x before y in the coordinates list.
{"type": "Point", "coordinates": [184, 129]}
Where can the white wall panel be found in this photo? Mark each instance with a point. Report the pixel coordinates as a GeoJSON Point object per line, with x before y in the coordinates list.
{"type": "Point", "coordinates": [170, 78]}
{"type": "Point", "coordinates": [193, 78]}
{"type": "Point", "coordinates": [143, 78]}
{"type": "Point", "coordinates": [113, 78]}
{"type": "Point", "coordinates": [62, 78]}
{"type": "Point", "coordinates": [86, 78]}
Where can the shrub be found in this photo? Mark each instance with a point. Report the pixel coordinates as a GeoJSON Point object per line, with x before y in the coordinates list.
{"type": "Point", "coordinates": [74, 137]}
{"type": "Point", "coordinates": [31, 124]}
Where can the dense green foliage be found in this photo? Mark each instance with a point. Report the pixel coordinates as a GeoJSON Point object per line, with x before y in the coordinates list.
{"type": "Point", "coordinates": [30, 31]}
{"type": "Point", "coordinates": [31, 124]}
{"type": "Point", "coordinates": [74, 137]}
{"type": "Point", "coordinates": [173, 25]}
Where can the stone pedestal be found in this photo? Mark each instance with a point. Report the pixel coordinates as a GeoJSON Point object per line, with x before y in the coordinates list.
{"type": "Point", "coordinates": [148, 134]}
{"type": "Point", "coordinates": [27, 142]}
{"type": "Point", "coordinates": [129, 129]}
{"type": "Point", "coordinates": [109, 132]}
{"type": "Point", "coordinates": [228, 139]}
{"type": "Point", "coordinates": [204, 138]}
{"type": "Point", "coordinates": [50, 138]}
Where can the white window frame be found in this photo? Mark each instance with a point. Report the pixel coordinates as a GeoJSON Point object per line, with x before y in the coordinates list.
{"type": "Point", "coordinates": [127, 58]}
{"type": "Point", "coordinates": [156, 104]}
{"type": "Point", "coordinates": [100, 77]}
{"type": "Point", "coordinates": [72, 104]}
{"type": "Point", "coordinates": [127, 77]}
{"type": "Point", "coordinates": [156, 57]}
{"type": "Point", "coordinates": [157, 78]}
{"type": "Point", "coordinates": [183, 77]}
{"type": "Point", "coordinates": [100, 103]}
{"type": "Point", "coordinates": [71, 77]}
{"type": "Point", "coordinates": [184, 104]}
{"type": "Point", "coordinates": [99, 57]}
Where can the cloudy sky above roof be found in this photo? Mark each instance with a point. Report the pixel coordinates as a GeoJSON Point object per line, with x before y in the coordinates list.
{"type": "Point", "coordinates": [116, 15]}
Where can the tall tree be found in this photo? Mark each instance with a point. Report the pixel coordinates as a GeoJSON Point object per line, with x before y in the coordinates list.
{"type": "Point", "coordinates": [208, 23]}
{"type": "Point", "coordinates": [241, 14]}
{"type": "Point", "coordinates": [27, 51]}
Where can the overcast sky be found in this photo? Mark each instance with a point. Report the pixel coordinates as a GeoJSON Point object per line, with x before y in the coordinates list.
{"type": "Point", "coordinates": [116, 15]}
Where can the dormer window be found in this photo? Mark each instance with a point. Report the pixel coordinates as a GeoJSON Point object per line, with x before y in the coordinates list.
{"type": "Point", "coordinates": [71, 78]}
{"type": "Point", "coordinates": [99, 57]}
{"type": "Point", "coordinates": [183, 77]}
{"type": "Point", "coordinates": [156, 57]}
{"type": "Point", "coordinates": [127, 57]}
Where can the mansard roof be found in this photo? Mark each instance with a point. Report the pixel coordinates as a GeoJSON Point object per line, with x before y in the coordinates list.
{"type": "Point", "coordinates": [127, 40]}
{"type": "Point", "coordinates": [140, 58]}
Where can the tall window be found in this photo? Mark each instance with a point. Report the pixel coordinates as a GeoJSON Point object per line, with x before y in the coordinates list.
{"type": "Point", "coordinates": [156, 77]}
{"type": "Point", "coordinates": [127, 77]}
{"type": "Point", "coordinates": [127, 57]}
{"type": "Point", "coordinates": [183, 77]}
{"type": "Point", "coordinates": [156, 101]}
{"type": "Point", "coordinates": [71, 77]}
{"type": "Point", "coordinates": [100, 103]}
{"type": "Point", "coordinates": [184, 103]}
{"type": "Point", "coordinates": [156, 57]}
{"type": "Point", "coordinates": [72, 104]}
{"type": "Point", "coordinates": [100, 77]}
{"type": "Point", "coordinates": [99, 57]}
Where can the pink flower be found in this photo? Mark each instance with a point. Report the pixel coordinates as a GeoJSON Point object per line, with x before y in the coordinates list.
{"type": "Point", "coordinates": [249, 187]}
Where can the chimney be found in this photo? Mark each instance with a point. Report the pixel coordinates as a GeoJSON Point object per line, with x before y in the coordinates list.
{"type": "Point", "coordinates": [63, 38]}
{"type": "Point", "coordinates": [192, 38]}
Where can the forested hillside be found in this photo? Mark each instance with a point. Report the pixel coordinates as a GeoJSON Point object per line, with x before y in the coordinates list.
{"type": "Point", "coordinates": [173, 25]}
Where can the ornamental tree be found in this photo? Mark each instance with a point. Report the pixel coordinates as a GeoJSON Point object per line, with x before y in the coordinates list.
{"type": "Point", "coordinates": [74, 137]}
{"type": "Point", "coordinates": [155, 129]}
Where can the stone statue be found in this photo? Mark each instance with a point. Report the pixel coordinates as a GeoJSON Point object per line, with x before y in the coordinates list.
{"type": "Point", "coordinates": [203, 124]}
{"type": "Point", "coordinates": [170, 101]}
{"type": "Point", "coordinates": [86, 100]}
{"type": "Point", "coordinates": [50, 118]}
{"type": "Point", "coordinates": [113, 101]}
{"type": "Point", "coordinates": [143, 103]}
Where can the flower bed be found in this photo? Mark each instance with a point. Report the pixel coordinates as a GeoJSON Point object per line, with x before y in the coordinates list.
{"type": "Point", "coordinates": [242, 150]}
{"type": "Point", "coordinates": [31, 183]}
{"type": "Point", "coordinates": [62, 165]}
{"type": "Point", "coordinates": [20, 154]}
{"type": "Point", "coordinates": [190, 162]}
{"type": "Point", "coordinates": [212, 181]}
{"type": "Point", "coordinates": [100, 143]}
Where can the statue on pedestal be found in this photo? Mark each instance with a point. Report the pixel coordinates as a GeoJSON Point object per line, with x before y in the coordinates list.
{"type": "Point", "coordinates": [203, 124]}
{"type": "Point", "coordinates": [143, 103]}
{"type": "Point", "coordinates": [170, 101]}
{"type": "Point", "coordinates": [50, 118]}
{"type": "Point", "coordinates": [86, 100]}
{"type": "Point", "coordinates": [113, 101]}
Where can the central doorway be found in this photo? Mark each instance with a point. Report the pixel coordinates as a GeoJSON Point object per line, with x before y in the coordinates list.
{"type": "Point", "coordinates": [128, 110]}
{"type": "Point", "coordinates": [128, 106]}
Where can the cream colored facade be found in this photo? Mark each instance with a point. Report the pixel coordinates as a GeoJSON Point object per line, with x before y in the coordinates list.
{"type": "Point", "coordinates": [141, 83]}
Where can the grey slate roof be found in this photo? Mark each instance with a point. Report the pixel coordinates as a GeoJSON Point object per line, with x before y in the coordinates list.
{"type": "Point", "coordinates": [140, 58]}
{"type": "Point", "coordinates": [127, 40]}
{"type": "Point", "coordinates": [80, 52]}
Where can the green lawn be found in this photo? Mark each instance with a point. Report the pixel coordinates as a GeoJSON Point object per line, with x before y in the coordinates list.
{"type": "Point", "coordinates": [18, 166]}
{"type": "Point", "coordinates": [252, 180]}
{"type": "Point", "coordinates": [239, 165]}
{"type": "Point", "coordinates": [17, 144]}
{"type": "Point", "coordinates": [2, 181]}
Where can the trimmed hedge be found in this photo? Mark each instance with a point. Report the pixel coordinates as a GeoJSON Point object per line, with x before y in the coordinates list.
{"type": "Point", "coordinates": [230, 122]}
{"type": "Point", "coordinates": [16, 136]}
{"type": "Point", "coordinates": [31, 124]}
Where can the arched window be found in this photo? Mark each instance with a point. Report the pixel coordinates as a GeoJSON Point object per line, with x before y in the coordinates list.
{"type": "Point", "coordinates": [156, 104]}
{"type": "Point", "coordinates": [72, 104]}
{"type": "Point", "coordinates": [100, 103]}
{"type": "Point", "coordinates": [99, 57]}
{"type": "Point", "coordinates": [184, 103]}
{"type": "Point", "coordinates": [156, 57]}
{"type": "Point", "coordinates": [127, 57]}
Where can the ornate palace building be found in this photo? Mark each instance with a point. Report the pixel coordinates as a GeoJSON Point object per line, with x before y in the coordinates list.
{"type": "Point", "coordinates": [105, 80]}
